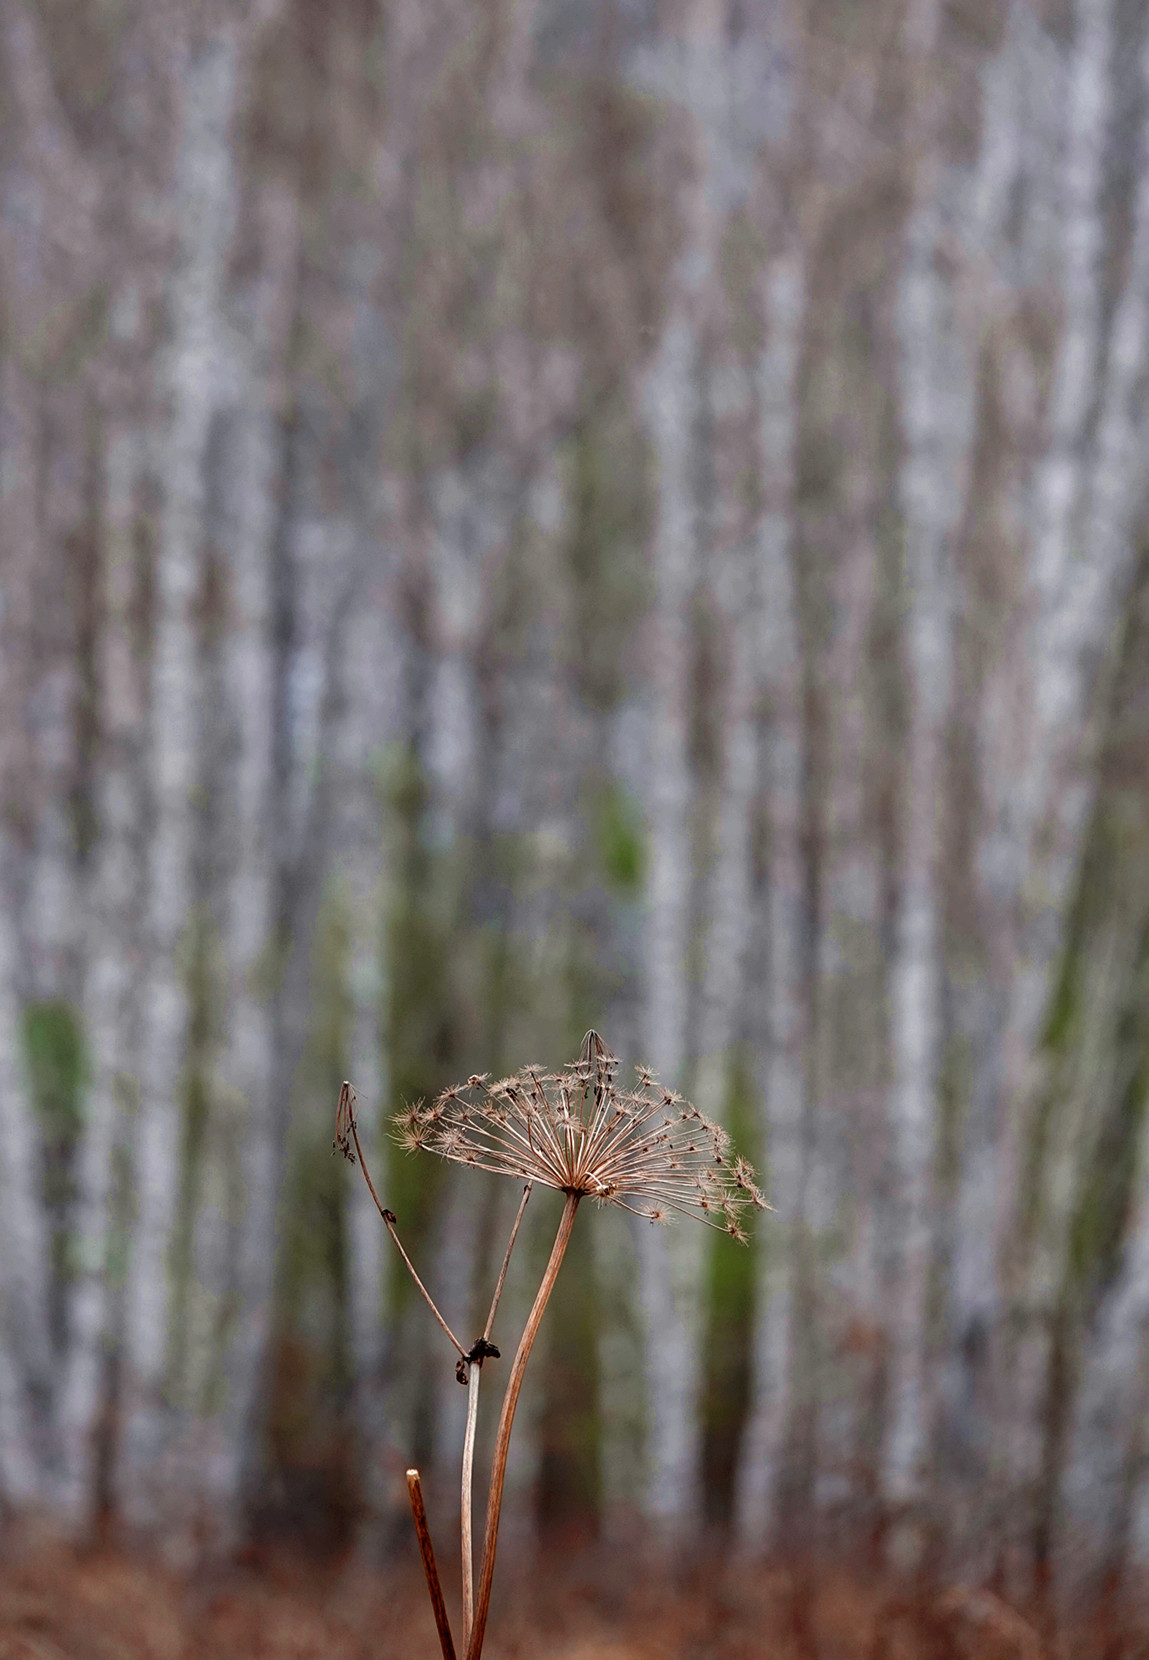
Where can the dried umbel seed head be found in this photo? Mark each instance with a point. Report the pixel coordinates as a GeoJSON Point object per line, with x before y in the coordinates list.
{"type": "Point", "coordinates": [644, 1149]}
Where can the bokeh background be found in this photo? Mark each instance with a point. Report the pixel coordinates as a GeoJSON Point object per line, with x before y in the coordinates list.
{"type": "Point", "coordinates": [562, 512]}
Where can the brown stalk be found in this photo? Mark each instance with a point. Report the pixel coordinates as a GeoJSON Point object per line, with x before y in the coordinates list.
{"type": "Point", "coordinates": [346, 1115]}
{"type": "Point", "coordinates": [494, 1309]}
{"type": "Point", "coordinates": [442, 1624]}
{"type": "Point", "coordinates": [506, 1422]}
{"type": "Point", "coordinates": [467, 1539]}
{"type": "Point", "coordinates": [473, 1377]}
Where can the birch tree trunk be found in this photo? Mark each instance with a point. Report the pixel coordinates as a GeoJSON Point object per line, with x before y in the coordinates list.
{"type": "Point", "coordinates": [1081, 562]}
{"type": "Point", "coordinates": [112, 988]}
{"type": "Point", "coordinates": [938, 393]}
{"type": "Point", "coordinates": [1022, 89]}
{"type": "Point", "coordinates": [205, 207]}
{"type": "Point", "coordinates": [727, 901]}
{"type": "Point", "coordinates": [763, 1475]}
{"type": "Point", "coordinates": [250, 680]}
{"type": "Point", "coordinates": [1108, 531]}
{"type": "Point", "coordinates": [671, 1494]}
{"type": "Point", "coordinates": [373, 652]}
{"type": "Point", "coordinates": [25, 1258]}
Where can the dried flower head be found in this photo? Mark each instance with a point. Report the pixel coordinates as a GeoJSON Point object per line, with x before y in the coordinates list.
{"type": "Point", "coordinates": [645, 1149]}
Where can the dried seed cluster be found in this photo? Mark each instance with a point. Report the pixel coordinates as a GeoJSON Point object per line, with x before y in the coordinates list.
{"type": "Point", "coordinates": [645, 1149]}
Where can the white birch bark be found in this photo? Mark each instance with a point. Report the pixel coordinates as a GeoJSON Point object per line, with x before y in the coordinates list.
{"type": "Point", "coordinates": [23, 1229]}
{"type": "Point", "coordinates": [205, 205]}
{"type": "Point", "coordinates": [367, 1065]}
{"type": "Point", "coordinates": [112, 978]}
{"type": "Point", "coordinates": [1022, 90]}
{"type": "Point", "coordinates": [671, 1494]}
{"type": "Point", "coordinates": [246, 1067]}
{"type": "Point", "coordinates": [849, 1136]}
{"type": "Point", "coordinates": [1104, 1427]}
{"type": "Point", "coordinates": [762, 1464]}
{"type": "Point", "coordinates": [470, 517]}
{"type": "Point", "coordinates": [49, 190]}
{"type": "Point", "coordinates": [1104, 1521]}
{"type": "Point", "coordinates": [937, 384]}
{"type": "Point", "coordinates": [373, 666]}
{"type": "Point", "coordinates": [727, 901]}
{"type": "Point", "coordinates": [726, 904]}
{"type": "Point", "coordinates": [1080, 562]}
{"type": "Point", "coordinates": [26, 1370]}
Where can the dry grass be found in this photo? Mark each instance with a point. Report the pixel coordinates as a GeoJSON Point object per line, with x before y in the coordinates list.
{"type": "Point", "coordinates": [56, 1604]}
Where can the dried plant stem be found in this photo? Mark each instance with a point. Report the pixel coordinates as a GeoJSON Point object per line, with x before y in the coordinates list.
{"type": "Point", "coordinates": [506, 1421]}
{"type": "Point", "coordinates": [346, 1104]}
{"type": "Point", "coordinates": [473, 1379]}
{"type": "Point", "coordinates": [476, 1372]}
{"type": "Point", "coordinates": [442, 1625]}
{"type": "Point", "coordinates": [506, 1261]}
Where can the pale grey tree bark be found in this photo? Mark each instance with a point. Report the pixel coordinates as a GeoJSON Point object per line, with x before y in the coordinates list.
{"type": "Point", "coordinates": [205, 208]}
{"type": "Point", "coordinates": [1022, 93]}
{"type": "Point", "coordinates": [1112, 1372]}
{"type": "Point", "coordinates": [112, 983]}
{"type": "Point", "coordinates": [1085, 497]}
{"type": "Point", "coordinates": [673, 401]}
{"type": "Point", "coordinates": [726, 903]}
{"type": "Point", "coordinates": [373, 655]}
{"type": "Point", "coordinates": [242, 1278]}
{"type": "Point", "coordinates": [937, 379]}
{"type": "Point", "coordinates": [762, 1467]}
{"type": "Point", "coordinates": [25, 1259]}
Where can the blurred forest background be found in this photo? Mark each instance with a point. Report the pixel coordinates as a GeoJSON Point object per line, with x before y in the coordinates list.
{"type": "Point", "coordinates": [563, 512]}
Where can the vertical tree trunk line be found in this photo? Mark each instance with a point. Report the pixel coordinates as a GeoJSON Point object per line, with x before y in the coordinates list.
{"type": "Point", "coordinates": [206, 207]}
{"type": "Point", "coordinates": [763, 1476]}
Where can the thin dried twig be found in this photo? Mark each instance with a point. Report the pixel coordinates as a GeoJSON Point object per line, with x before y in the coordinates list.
{"type": "Point", "coordinates": [346, 1132]}
{"type": "Point", "coordinates": [506, 1261]}
{"type": "Point", "coordinates": [426, 1551]}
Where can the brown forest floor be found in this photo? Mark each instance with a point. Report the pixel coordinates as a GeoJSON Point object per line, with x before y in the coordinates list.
{"type": "Point", "coordinates": [56, 1604]}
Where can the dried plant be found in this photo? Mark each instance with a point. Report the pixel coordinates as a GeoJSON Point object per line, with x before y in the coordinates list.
{"type": "Point", "coordinates": [644, 1149]}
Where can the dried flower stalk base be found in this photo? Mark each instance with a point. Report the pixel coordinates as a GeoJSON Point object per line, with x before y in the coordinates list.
{"type": "Point", "coordinates": [426, 1551]}
{"type": "Point", "coordinates": [645, 1150]}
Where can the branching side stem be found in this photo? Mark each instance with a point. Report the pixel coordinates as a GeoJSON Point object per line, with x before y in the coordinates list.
{"type": "Point", "coordinates": [347, 1115]}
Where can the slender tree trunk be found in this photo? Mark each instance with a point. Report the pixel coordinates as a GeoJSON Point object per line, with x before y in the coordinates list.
{"type": "Point", "coordinates": [112, 987]}
{"type": "Point", "coordinates": [205, 205]}
{"type": "Point", "coordinates": [1108, 528]}
{"type": "Point", "coordinates": [727, 900]}
{"type": "Point", "coordinates": [762, 1468]}
{"type": "Point", "coordinates": [727, 909]}
{"type": "Point", "coordinates": [368, 726]}
{"type": "Point", "coordinates": [1081, 560]}
{"type": "Point", "coordinates": [938, 384]}
{"type": "Point", "coordinates": [24, 1268]}
{"type": "Point", "coordinates": [249, 687]}
{"type": "Point", "coordinates": [672, 1445]}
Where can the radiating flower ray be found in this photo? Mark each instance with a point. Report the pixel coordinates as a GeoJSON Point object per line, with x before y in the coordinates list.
{"type": "Point", "coordinates": [644, 1149]}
